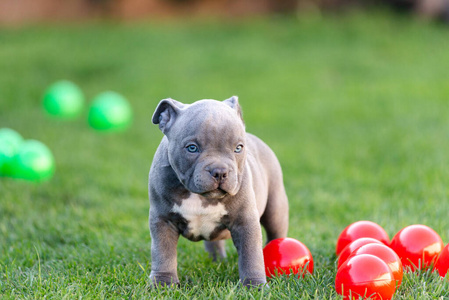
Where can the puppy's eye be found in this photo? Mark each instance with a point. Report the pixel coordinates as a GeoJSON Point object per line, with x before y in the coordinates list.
{"type": "Point", "coordinates": [192, 148]}
{"type": "Point", "coordinates": [238, 149]}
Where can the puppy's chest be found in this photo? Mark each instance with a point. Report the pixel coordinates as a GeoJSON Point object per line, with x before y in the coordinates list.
{"type": "Point", "coordinates": [199, 221]}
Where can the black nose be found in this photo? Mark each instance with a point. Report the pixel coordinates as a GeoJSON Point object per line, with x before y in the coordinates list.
{"type": "Point", "coordinates": [220, 174]}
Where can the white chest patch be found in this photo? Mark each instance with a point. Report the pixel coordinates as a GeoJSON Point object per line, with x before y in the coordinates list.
{"type": "Point", "coordinates": [202, 220]}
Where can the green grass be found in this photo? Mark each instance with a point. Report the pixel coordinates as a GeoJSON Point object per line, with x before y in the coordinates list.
{"type": "Point", "coordinates": [356, 108]}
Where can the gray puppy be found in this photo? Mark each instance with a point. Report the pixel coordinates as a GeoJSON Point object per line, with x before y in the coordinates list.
{"type": "Point", "coordinates": [210, 180]}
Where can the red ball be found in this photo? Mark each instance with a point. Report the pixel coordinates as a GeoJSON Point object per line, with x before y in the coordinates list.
{"type": "Point", "coordinates": [367, 276]}
{"type": "Point", "coordinates": [442, 264]}
{"type": "Point", "coordinates": [358, 230]}
{"type": "Point", "coordinates": [285, 256]}
{"type": "Point", "coordinates": [418, 246]}
{"type": "Point", "coordinates": [351, 247]}
{"type": "Point", "coordinates": [386, 254]}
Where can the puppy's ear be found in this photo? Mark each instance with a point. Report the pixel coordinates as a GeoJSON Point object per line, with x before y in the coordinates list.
{"type": "Point", "coordinates": [233, 102]}
{"type": "Point", "coordinates": [166, 113]}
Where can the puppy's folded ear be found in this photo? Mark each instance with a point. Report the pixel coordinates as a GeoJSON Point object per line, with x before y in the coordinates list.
{"type": "Point", "coordinates": [166, 113]}
{"type": "Point", "coordinates": [233, 102]}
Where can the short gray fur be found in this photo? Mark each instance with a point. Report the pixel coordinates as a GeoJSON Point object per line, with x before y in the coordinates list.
{"type": "Point", "coordinates": [210, 180]}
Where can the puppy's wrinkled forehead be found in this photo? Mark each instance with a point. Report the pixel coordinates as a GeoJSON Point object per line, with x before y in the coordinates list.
{"type": "Point", "coordinates": [211, 117]}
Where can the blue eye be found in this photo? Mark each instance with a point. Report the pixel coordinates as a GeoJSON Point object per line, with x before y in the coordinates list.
{"type": "Point", "coordinates": [192, 148]}
{"type": "Point", "coordinates": [238, 149]}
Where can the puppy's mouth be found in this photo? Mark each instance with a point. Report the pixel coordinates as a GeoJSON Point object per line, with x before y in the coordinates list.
{"type": "Point", "coordinates": [218, 193]}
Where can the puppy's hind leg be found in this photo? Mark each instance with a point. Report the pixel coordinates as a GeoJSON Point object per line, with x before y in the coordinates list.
{"type": "Point", "coordinates": [216, 249]}
{"type": "Point", "coordinates": [275, 217]}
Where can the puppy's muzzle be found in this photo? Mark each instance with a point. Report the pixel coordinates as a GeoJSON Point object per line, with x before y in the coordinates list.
{"type": "Point", "coordinates": [220, 175]}
{"type": "Point", "coordinates": [216, 181]}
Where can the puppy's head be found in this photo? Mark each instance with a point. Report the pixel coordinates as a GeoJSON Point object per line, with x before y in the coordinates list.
{"type": "Point", "coordinates": [206, 144]}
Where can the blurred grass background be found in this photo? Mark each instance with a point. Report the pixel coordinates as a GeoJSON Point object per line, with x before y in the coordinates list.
{"type": "Point", "coordinates": [355, 107]}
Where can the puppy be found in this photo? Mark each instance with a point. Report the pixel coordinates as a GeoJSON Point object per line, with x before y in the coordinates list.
{"type": "Point", "coordinates": [210, 180]}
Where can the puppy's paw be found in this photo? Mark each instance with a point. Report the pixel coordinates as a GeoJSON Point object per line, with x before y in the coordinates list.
{"type": "Point", "coordinates": [259, 283]}
{"type": "Point", "coordinates": [164, 279]}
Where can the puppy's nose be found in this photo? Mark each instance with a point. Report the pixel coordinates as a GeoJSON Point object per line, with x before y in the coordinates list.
{"type": "Point", "coordinates": [220, 174]}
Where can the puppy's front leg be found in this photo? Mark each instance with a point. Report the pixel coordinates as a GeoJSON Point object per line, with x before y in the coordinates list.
{"type": "Point", "coordinates": [164, 240]}
{"type": "Point", "coordinates": [247, 237]}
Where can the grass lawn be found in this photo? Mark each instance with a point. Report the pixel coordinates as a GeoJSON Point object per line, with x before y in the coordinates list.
{"type": "Point", "coordinates": [356, 108]}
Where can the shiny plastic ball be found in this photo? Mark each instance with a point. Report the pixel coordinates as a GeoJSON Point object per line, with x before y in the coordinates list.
{"type": "Point", "coordinates": [365, 275]}
{"type": "Point", "coordinates": [442, 263]}
{"type": "Point", "coordinates": [10, 142]}
{"type": "Point", "coordinates": [11, 136]}
{"type": "Point", "coordinates": [33, 162]}
{"type": "Point", "coordinates": [418, 246]}
{"type": "Point", "coordinates": [63, 99]}
{"type": "Point", "coordinates": [287, 256]}
{"type": "Point", "coordinates": [351, 247]}
{"type": "Point", "coordinates": [387, 255]}
{"type": "Point", "coordinates": [358, 230]}
{"type": "Point", "coordinates": [110, 111]}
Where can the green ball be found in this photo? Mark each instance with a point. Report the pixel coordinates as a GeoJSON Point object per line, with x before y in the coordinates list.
{"type": "Point", "coordinates": [63, 99]}
{"type": "Point", "coordinates": [110, 111]}
{"type": "Point", "coordinates": [11, 136]}
{"type": "Point", "coordinates": [6, 155]}
{"type": "Point", "coordinates": [33, 162]}
{"type": "Point", "coordinates": [10, 142]}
